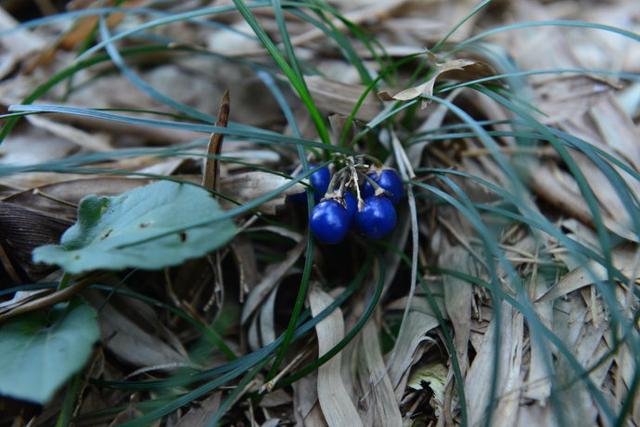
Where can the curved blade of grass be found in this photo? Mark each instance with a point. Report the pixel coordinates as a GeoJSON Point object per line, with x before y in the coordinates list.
{"type": "Point", "coordinates": [297, 83]}
{"type": "Point", "coordinates": [551, 23]}
{"type": "Point", "coordinates": [233, 129]}
{"type": "Point", "coordinates": [580, 71]}
{"type": "Point", "coordinates": [70, 71]}
{"type": "Point", "coordinates": [455, 28]}
{"type": "Point", "coordinates": [143, 86]}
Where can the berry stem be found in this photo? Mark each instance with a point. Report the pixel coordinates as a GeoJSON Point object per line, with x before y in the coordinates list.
{"type": "Point", "coordinates": [378, 191]}
{"type": "Point", "coordinates": [354, 178]}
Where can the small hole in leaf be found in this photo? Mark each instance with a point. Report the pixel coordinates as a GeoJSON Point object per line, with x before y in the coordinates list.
{"type": "Point", "coordinates": [183, 236]}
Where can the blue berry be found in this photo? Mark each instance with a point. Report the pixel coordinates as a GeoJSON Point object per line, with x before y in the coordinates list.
{"type": "Point", "coordinates": [319, 182]}
{"type": "Point", "coordinates": [388, 180]}
{"type": "Point", "coordinates": [377, 218]}
{"type": "Point", "coordinates": [351, 204]}
{"type": "Point", "coordinates": [330, 221]}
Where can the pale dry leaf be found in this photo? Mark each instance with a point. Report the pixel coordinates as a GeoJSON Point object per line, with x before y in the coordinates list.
{"type": "Point", "coordinates": [536, 415]}
{"type": "Point", "coordinates": [565, 98]}
{"type": "Point", "coordinates": [458, 296]}
{"type": "Point", "coordinates": [507, 410]}
{"type": "Point", "coordinates": [305, 397]}
{"type": "Point", "coordinates": [570, 320]}
{"type": "Point", "coordinates": [129, 342]}
{"type": "Point", "coordinates": [201, 412]}
{"type": "Point", "coordinates": [245, 257]}
{"type": "Point", "coordinates": [16, 46]}
{"type": "Point", "coordinates": [480, 375]}
{"type": "Point", "coordinates": [433, 121]}
{"type": "Point", "coordinates": [165, 167]}
{"type": "Point", "coordinates": [378, 404]}
{"type": "Point", "coordinates": [253, 335]}
{"type": "Point", "coordinates": [31, 145]}
{"type": "Point", "coordinates": [585, 275]}
{"type": "Point", "coordinates": [250, 185]}
{"type": "Point", "coordinates": [277, 397]}
{"type": "Point", "coordinates": [336, 404]}
{"type": "Point", "coordinates": [92, 142]}
{"type": "Point", "coordinates": [341, 98]}
{"type": "Point", "coordinates": [412, 335]}
{"type": "Point", "coordinates": [267, 318]}
{"type": "Point", "coordinates": [271, 277]}
{"type": "Point", "coordinates": [421, 304]}
{"type": "Point", "coordinates": [617, 129]}
{"type": "Point", "coordinates": [456, 69]}
{"type": "Point", "coordinates": [538, 382]}
{"type": "Point", "coordinates": [238, 40]}
{"type": "Point", "coordinates": [60, 198]}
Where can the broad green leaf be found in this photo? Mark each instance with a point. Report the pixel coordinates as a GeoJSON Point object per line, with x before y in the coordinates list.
{"type": "Point", "coordinates": [40, 351]}
{"type": "Point", "coordinates": [113, 233]}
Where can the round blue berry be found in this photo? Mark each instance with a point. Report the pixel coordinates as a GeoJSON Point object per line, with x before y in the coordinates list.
{"type": "Point", "coordinates": [388, 180]}
{"type": "Point", "coordinates": [377, 218]}
{"type": "Point", "coordinates": [351, 204]}
{"type": "Point", "coordinates": [330, 221]}
{"type": "Point", "coordinates": [319, 181]}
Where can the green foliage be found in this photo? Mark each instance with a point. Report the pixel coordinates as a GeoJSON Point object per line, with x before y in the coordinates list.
{"type": "Point", "coordinates": [40, 351]}
{"type": "Point", "coordinates": [111, 231]}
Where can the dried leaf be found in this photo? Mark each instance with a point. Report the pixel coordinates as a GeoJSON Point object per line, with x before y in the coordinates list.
{"type": "Point", "coordinates": [623, 259]}
{"type": "Point", "coordinates": [270, 279]}
{"type": "Point", "coordinates": [130, 342]}
{"type": "Point", "coordinates": [509, 382]}
{"type": "Point", "coordinates": [456, 69]}
{"type": "Point", "coordinates": [200, 414]}
{"type": "Point", "coordinates": [411, 336]}
{"type": "Point", "coordinates": [341, 98]}
{"type": "Point", "coordinates": [379, 405]}
{"type": "Point", "coordinates": [458, 296]}
{"type": "Point", "coordinates": [250, 185]}
{"type": "Point", "coordinates": [336, 404]}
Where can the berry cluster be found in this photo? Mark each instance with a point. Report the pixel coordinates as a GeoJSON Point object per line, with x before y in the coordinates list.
{"type": "Point", "coordinates": [371, 210]}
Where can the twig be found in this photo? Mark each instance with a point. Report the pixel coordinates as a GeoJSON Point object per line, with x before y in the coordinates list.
{"type": "Point", "coordinates": [212, 164]}
{"type": "Point", "coordinates": [49, 300]}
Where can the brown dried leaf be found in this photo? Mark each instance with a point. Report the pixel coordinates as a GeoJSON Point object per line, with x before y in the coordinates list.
{"type": "Point", "coordinates": [22, 230]}
{"type": "Point", "coordinates": [456, 69]}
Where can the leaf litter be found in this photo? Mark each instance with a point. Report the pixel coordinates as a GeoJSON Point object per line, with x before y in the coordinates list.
{"type": "Point", "coordinates": [544, 326]}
